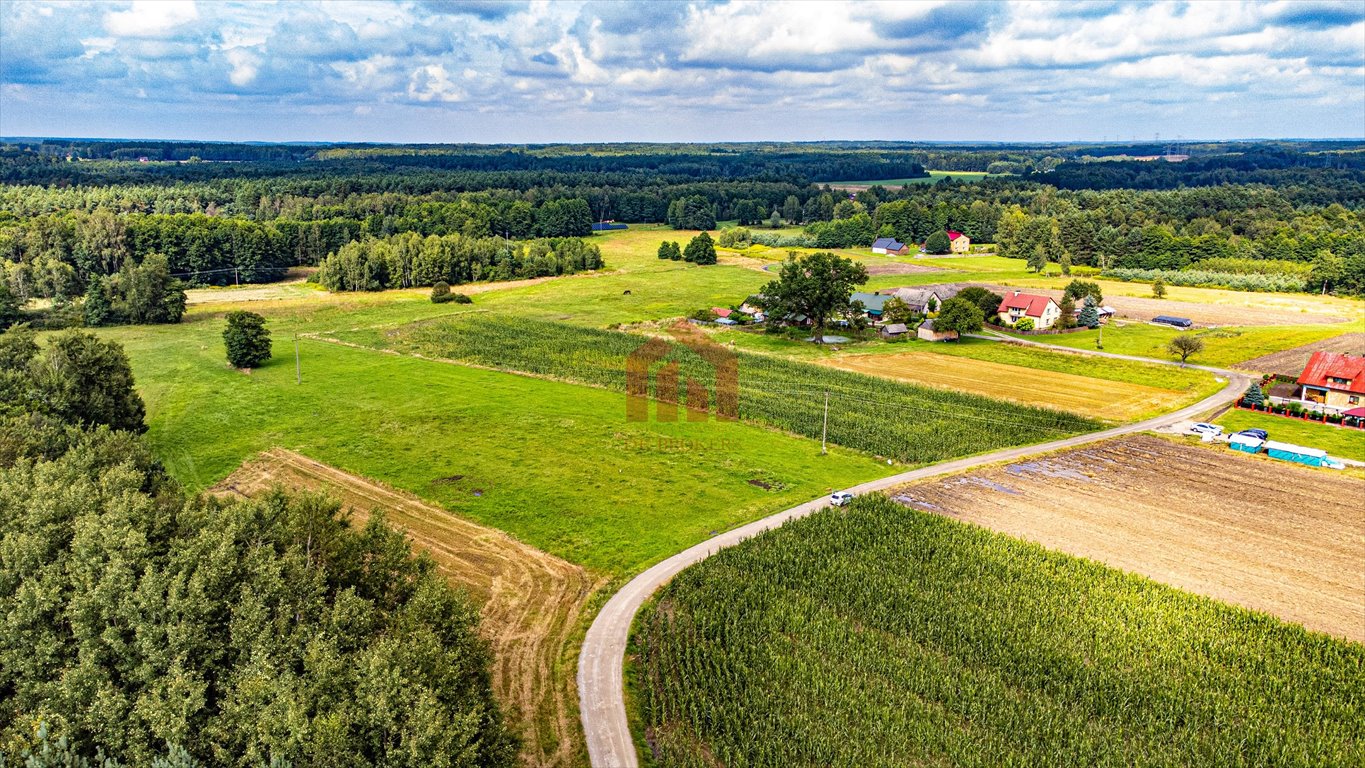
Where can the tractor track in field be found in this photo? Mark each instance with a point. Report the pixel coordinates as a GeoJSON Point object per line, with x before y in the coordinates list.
{"type": "Point", "coordinates": [531, 602]}
{"type": "Point", "coordinates": [601, 661]}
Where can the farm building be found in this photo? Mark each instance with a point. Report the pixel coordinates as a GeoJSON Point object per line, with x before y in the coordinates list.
{"type": "Point", "coordinates": [927, 332]}
{"type": "Point", "coordinates": [1041, 309]}
{"type": "Point", "coordinates": [890, 245]}
{"type": "Point", "coordinates": [872, 303]}
{"type": "Point", "coordinates": [1174, 322]}
{"type": "Point", "coordinates": [894, 330]}
{"type": "Point", "coordinates": [960, 243]}
{"type": "Point", "coordinates": [919, 299]}
{"type": "Point", "coordinates": [722, 311]}
{"type": "Point", "coordinates": [1333, 380]}
{"type": "Point", "coordinates": [1245, 443]}
{"type": "Point", "coordinates": [603, 226]}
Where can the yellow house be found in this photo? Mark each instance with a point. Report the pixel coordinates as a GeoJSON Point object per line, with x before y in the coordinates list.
{"type": "Point", "coordinates": [960, 243]}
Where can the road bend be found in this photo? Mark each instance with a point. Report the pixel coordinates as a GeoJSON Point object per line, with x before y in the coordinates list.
{"type": "Point", "coordinates": [601, 662]}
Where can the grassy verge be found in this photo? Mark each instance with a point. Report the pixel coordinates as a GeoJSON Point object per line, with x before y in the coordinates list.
{"type": "Point", "coordinates": [1222, 346]}
{"type": "Point", "coordinates": [1342, 442]}
{"type": "Point", "coordinates": [881, 635]}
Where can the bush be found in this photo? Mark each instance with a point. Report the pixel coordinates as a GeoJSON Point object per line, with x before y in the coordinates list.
{"type": "Point", "coordinates": [704, 315]}
{"type": "Point", "coordinates": [782, 241]}
{"type": "Point", "coordinates": [1024, 325]}
{"type": "Point", "coordinates": [733, 237]}
{"type": "Point", "coordinates": [1235, 266]}
{"type": "Point", "coordinates": [460, 298]}
{"type": "Point", "coordinates": [440, 293]}
{"type": "Point", "coordinates": [938, 243]}
{"type": "Point", "coordinates": [247, 339]}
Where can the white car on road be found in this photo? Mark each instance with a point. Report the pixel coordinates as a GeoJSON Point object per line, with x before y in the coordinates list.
{"type": "Point", "coordinates": [840, 498]}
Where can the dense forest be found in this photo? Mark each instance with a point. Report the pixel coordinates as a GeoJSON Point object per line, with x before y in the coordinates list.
{"type": "Point", "coordinates": [142, 623]}
{"type": "Point", "coordinates": [75, 212]}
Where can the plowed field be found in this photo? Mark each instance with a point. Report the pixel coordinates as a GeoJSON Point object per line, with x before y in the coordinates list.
{"type": "Point", "coordinates": [1291, 362]}
{"type": "Point", "coordinates": [531, 600]}
{"type": "Point", "coordinates": [1097, 398]}
{"type": "Point", "coordinates": [1267, 535]}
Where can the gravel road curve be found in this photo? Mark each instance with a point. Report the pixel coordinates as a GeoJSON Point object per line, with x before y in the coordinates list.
{"type": "Point", "coordinates": [601, 663]}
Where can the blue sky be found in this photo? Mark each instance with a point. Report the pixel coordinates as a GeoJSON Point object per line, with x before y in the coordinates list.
{"type": "Point", "coordinates": [657, 71]}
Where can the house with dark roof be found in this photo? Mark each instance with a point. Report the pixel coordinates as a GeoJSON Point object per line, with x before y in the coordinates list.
{"type": "Point", "coordinates": [890, 246]}
{"type": "Point", "coordinates": [959, 242]}
{"type": "Point", "coordinates": [1042, 310]}
{"type": "Point", "coordinates": [894, 330]}
{"type": "Point", "coordinates": [1333, 380]}
{"type": "Point", "coordinates": [921, 301]}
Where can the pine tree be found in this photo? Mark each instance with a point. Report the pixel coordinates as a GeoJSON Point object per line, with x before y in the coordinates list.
{"type": "Point", "coordinates": [1090, 316]}
{"type": "Point", "coordinates": [1254, 396]}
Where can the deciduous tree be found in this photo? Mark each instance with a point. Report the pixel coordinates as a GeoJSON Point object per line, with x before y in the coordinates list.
{"type": "Point", "coordinates": [958, 314]}
{"type": "Point", "coordinates": [1185, 345]}
{"type": "Point", "coordinates": [248, 340]}
{"type": "Point", "coordinates": [817, 285]}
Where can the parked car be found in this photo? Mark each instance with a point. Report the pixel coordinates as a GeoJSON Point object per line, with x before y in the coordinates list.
{"type": "Point", "coordinates": [1259, 434]}
{"type": "Point", "coordinates": [840, 498]}
{"type": "Point", "coordinates": [1202, 428]}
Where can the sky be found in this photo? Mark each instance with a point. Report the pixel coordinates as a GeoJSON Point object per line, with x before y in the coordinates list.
{"type": "Point", "coordinates": [515, 72]}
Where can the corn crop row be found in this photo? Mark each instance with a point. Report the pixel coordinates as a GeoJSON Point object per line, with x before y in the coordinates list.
{"type": "Point", "coordinates": [884, 636]}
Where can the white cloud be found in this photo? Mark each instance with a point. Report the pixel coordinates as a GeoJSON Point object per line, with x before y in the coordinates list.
{"type": "Point", "coordinates": [151, 18]}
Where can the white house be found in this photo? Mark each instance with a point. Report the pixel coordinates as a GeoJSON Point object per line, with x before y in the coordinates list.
{"type": "Point", "coordinates": [1041, 309]}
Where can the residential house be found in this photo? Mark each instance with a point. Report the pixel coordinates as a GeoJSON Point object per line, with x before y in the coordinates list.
{"type": "Point", "coordinates": [1333, 380]}
{"type": "Point", "coordinates": [929, 333]}
{"type": "Point", "coordinates": [960, 243]}
{"type": "Point", "coordinates": [890, 246]}
{"type": "Point", "coordinates": [920, 299]}
{"type": "Point", "coordinates": [872, 303]}
{"type": "Point", "coordinates": [1041, 309]}
{"type": "Point", "coordinates": [894, 330]}
{"type": "Point", "coordinates": [722, 311]}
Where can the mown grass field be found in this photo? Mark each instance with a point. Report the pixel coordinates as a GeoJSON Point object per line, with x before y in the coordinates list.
{"type": "Point", "coordinates": [1341, 442]}
{"type": "Point", "coordinates": [1223, 347]}
{"type": "Point", "coordinates": [1095, 398]}
{"type": "Point", "coordinates": [907, 423]}
{"type": "Point", "coordinates": [554, 464]}
{"type": "Point", "coordinates": [880, 635]}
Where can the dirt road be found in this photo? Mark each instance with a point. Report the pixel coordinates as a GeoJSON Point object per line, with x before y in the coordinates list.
{"type": "Point", "coordinates": [531, 601]}
{"type": "Point", "coordinates": [601, 662]}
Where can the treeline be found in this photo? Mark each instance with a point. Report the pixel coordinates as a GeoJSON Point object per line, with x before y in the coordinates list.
{"type": "Point", "coordinates": [59, 256]}
{"type": "Point", "coordinates": [142, 623]}
{"type": "Point", "coordinates": [410, 260]}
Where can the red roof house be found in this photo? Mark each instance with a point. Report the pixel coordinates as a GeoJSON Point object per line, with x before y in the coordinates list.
{"type": "Point", "coordinates": [1334, 380]}
{"type": "Point", "coordinates": [721, 311]}
{"type": "Point", "coordinates": [960, 242]}
{"type": "Point", "coordinates": [1017, 306]}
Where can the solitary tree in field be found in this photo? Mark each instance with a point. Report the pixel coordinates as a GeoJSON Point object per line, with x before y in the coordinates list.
{"type": "Point", "coordinates": [247, 339]}
{"type": "Point", "coordinates": [701, 250]}
{"type": "Point", "coordinates": [1254, 396]}
{"type": "Point", "coordinates": [817, 286]}
{"type": "Point", "coordinates": [775, 221]}
{"type": "Point", "coordinates": [958, 314]}
{"type": "Point", "coordinates": [1184, 345]}
{"type": "Point", "coordinates": [1159, 288]}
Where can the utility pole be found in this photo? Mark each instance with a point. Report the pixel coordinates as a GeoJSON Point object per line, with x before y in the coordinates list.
{"type": "Point", "coordinates": [298, 368]}
{"type": "Point", "coordinates": [824, 428]}
{"type": "Point", "coordinates": [237, 277]}
{"type": "Point", "coordinates": [1099, 339]}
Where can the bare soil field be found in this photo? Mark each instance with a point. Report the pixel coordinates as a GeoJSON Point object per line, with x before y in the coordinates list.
{"type": "Point", "coordinates": [875, 268]}
{"type": "Point", "coordinates": [531, 601]}
{"type": "Point", "coordinates": [1097, 398]}
{"type": "Point", "coordinates": [1271, 536]}
{"type": "Point", "coordinates": [1291, 362]}
{"type": "Point", "coordinates": [1138, 308]}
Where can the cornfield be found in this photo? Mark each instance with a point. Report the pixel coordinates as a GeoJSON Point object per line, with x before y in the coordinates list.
{"type": "Point", "coordinates": [908, 423]}
{"type": "Point", "coordinates": [1264, 283]}
{"type": "Point", "coordinates": [885, 636]}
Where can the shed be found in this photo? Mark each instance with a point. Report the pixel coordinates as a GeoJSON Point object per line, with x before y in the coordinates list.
{"type": "Point", "coordinates": [1313, 457]}
{"type": "Point", "coordinates": [927, 332]}
{"type": "Point", "coordinates": [894, 330]}
{"type": "Point", "coordinates": [1177, 322]}
{"type": "Point", "coordinates": [890, 245]}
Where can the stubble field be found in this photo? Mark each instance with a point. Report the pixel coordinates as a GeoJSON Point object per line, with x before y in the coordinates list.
{"type": "Point", "coordinates": [1267, 535]}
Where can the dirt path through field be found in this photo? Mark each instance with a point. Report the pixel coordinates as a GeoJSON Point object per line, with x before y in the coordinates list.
{"type": "Point", "coordinates": [532, 601]}
{"type": "Point", "coordinates": [1256, 532]}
